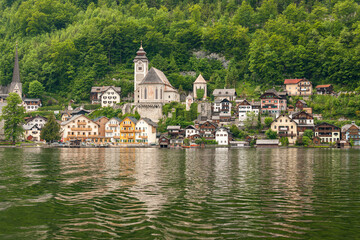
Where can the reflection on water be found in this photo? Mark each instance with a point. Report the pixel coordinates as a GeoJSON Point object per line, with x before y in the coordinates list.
{"type": "Point", "coordinates": [179, 194]}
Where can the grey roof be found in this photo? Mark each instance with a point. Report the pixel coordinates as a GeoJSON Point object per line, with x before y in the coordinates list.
{"type": "Point", "coordinates": [73, 118]}
{"type": "Point", "coordinates": [155, 76]}
{"type": "Point", "coordinates": [173, 128]}
{"type": "Point", "coordinates": [190, 127]}
{"type": "Point", "coordinates": [104, 89]}
{"type": "Point", "coordinates": [224, 92]}
{"type": "Point", "coordinates": [98, 118]}
{"type": "Point", "coordinates": [267, 142]}
{"type": "Point", "coordinates": [134, 120]}
{"type": "Point", "coordinates": [140, 54]}
{"type": "Point", "coordinates": [32, 118]}
{"type": "Point", "coordinates": [347, 126]}
{"type": "Point", "coordinates": [16, 72]}
{"type": "Point", "coordinates": [26, 127]}
{"type": "Point", "coordinates": [31, 99]}
{"type": "Point", "coordinates": [150, 122]}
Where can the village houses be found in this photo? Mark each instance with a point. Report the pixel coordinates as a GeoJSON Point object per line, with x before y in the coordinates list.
{"type": "Point", "coordinates": [273, 102]}
{"type": "Point", "coordinates": [351, 132]}
{"type": "Point", "coordinates": [298, 87]}
{"type": "Point", "coordinates": [327, 132]}
{"type": "Point", "coordinates": [145, 131]}
{"type": "Point", "coordinates": [285, 127]}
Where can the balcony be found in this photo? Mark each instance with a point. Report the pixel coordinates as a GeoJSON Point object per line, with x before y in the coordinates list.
{"type": "Point", "coordinates": [144, 137]}
{"type": "Point", "coordinates": [108, 131]}
{"type": "Point", "coordinates": [127, 125]}
{"type": "Point", "coordinates": [117, 137]}
{"type": "Point", "coordinates": [92, 136]}
{"type": "Point", "coordinates": [113, 125]}
{"type": "Point", "coordinates": [81, 129]}
{"type": "Point", "coordinates": [283, 128]}
{"type": "Point", "coordinates": [81, 123]}
{"type": "Point", "coordinates": [131, 136]}
{"type": "Point", "coordinates": [138, 131]}
{"type": "Point", "coordinates": [127, 131]}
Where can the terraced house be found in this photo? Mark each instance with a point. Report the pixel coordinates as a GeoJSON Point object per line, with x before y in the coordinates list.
{"type": "Point", "coordinates": [127, 130]}
{"type": "Point", "coordinates": [145, 131]}
{"type": "Point", "coordinates": [112, 129]}
{"type": "Point", "coordinates": [351, 132]}
{"type": "Point", "coordinates": [79, 127]}
{"type": "Point", "coordinates": [327, 132]}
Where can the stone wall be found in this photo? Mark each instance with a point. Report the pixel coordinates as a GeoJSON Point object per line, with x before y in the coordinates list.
{"type": "Point", "coordinates": [150, 110]}
{"type": "Point", "coordinates": [204, 110]}
{"type": "Point", "coordinates": [2, 132]}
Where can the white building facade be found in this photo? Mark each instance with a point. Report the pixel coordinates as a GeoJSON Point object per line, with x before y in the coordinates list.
{"type": "Point", "coordinates": [112, 129]}
{"type": "Point", "coordinates": [145, 131]}
{"type": "Point", "coordinates": [110, 97]}
{"type": "Point", "coordinates": [222, 136]}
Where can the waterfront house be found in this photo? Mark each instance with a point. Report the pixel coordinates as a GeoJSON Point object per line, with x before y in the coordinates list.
{"type": "Point", "coordinates": [223, 136]}
{"type": "Point", "coordinates": [32, 132]}
{"type": "Point", "coordinates": [39, 120]}
{"type": "Point", "coordinates": [112, 129]}
{"type": "Point", "coordinates": [300, 104]}
{"type": "Point", "coordinates": [351, 132]}
{"type": "Point", "coordinates": [207, 130]}
{"type": "Point", "coordinates": [191, 130]}
{"type": "Point", "coordinates": [145, 131]}
{"type": "Point", "coordinates": [79, 127]}
{"type": "Point", "coordinates": [127, 130]}
{"type": "Point", "coordinates": [324, 89]}
{"type": "Point", "coordinates": [31, 104]}
{"type": "Point", "coordinates": [267, 143]}
{"type": "Point", "coordinates": [236, 144]}
{"type": "Point", "coordinates": [164, 141]}
{"type": "Point", "coordinates": [343, 144]}
{"type": "Point", "coordinates": [243, 107]}
{"type": "Point", "coordinates": [102, 120]}
{"type": "Point", "coordinates": [285, 127]}
{"type": "Point", "coordinates": [177, 142]}
{"type": "Point", "coordinates": [273, 102]}
{"type": "Point", "coordinates": [229, 94]}
{"type": "Point", "coordinates": [304, 121]}
{"type": "Point", "coordinates": [222, 110]}
{"type": "Point", "coordinates": [106, 95]}
{"type": "Point", "coordinates": [175, 131]}
{"type": "Point", "coordinates": [327, 132]}
{"type": "Point", "coordinates": [298, 87]}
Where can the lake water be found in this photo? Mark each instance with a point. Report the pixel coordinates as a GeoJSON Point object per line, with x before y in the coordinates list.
{"type": "Point", "coordinates": [179, 194]}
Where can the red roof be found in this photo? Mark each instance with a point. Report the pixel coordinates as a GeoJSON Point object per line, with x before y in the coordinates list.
{"type": "Point", "coordinates": [292, 81]}
{"type": "Point", "coordinates": [323, 86]}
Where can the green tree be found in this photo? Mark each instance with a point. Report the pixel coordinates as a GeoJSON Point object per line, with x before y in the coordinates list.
{"type": "Point", "coordinates": [270, 134]}
{"type": "Point", "coordinates": [268, 121]}
{"type": "Point", "coordinates": [284, 141]}
{"type": "Point", "coordinates": [200, 93]}
{"type": "Point", "coordinates": [251, 120]}
{"type": "Point", "coordinates": [309, 133]}
{"type": "Point", "coordinates": [13, 115]}
{"type": "Point", "coordinates": [36, 89]}
{"type": "Point", "coordinates": [234, 130]}
{"type": "Point", "coordinates": [51, 130]}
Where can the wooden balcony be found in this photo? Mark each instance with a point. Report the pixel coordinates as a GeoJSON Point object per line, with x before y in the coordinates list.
{"type": "Point", "coordinates": [127, 131]}
{"type": "Point", "coordinates": [117, 137]}
{"type": "Point", "coordinates": [113, 125]}
{"type": "Point", "coordinates": [133, 136]}
{"type": "Point", "coordinates": [81, 129]}
{"type": "Point", "coordinates": [81, 123]}
{"type": "Point", "coordinates": [127, 125]}
{"type": "Point", "coordinates": [108, 131]}
{"type": "Point", "coordinates": [144, 137]}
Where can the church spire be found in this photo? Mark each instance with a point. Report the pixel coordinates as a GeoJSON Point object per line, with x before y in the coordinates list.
{"type": "Point", "coordinates": [16, 73]}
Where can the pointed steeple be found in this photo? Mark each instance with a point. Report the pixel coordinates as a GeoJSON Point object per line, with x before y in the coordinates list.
{"type": "Point", "coordinates": [16, 73]}
{"type": "Point", "coordinates": [141, 54]}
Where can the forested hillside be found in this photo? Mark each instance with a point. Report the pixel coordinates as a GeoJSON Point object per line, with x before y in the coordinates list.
{"type": "Point", "coordinates": [69, 45]}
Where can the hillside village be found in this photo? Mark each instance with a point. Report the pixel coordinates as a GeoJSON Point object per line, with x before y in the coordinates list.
{"type": "Point", "coordinates": [270, 120]}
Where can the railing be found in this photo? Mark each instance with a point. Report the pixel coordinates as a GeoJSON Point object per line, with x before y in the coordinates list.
{"type": "Point", "coordinates": [109, 131]}
{"type": "Point", "coordinates": [81, 123]}
{"type": "Point", "coordinates": [113, 125]}
{"type": "Point", "coordinates": [144, 137]}
{"type": "Point", "coordinates": [127, 131]}
{"type": "Point", "coordinates": [127, 124]}
{"type": "Point", "coordinates": [131, 136]}
{"type": "Point", "coordinates": [81, 129]}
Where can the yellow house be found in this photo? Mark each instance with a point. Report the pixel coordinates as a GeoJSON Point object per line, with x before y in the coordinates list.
{"type": "Point", "coordinates": [127, 130]}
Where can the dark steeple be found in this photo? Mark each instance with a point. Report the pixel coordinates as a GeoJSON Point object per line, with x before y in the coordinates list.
{"type": "Point", "coordinates": [16, 73]}
{"type": "Point", "coordinates": [140, 54]}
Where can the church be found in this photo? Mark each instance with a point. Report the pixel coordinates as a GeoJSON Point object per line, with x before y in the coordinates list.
{"type": "Point", "coordinates": [15, 86]}
{"type": "Point", "coordinates": [152, 89]}
{"type": "Point", "coordinates": [151, 86]}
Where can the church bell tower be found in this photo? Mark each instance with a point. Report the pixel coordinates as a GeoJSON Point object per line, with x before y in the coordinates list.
{"type": "Point", "coordinates": [141, 64]}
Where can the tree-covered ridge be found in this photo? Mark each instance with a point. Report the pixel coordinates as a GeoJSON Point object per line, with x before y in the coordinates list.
{"type": "Point", "coordinates": [70, 45]}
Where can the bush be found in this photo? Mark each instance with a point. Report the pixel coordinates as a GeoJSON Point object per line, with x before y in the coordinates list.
{"type": "Point", "coordinates": [92, 106]}
{"type": "Point", "coordinates": [268, 121]}
{"type": "Point", "coordinates": [270, 134]}
{"type": "Point", "coordinates": [51, 108]}
{"type": "Point", "coordinates": [284, 141]}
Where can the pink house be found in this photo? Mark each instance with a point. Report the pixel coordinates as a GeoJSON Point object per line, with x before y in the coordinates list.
{"type": "Point", "coordinates": [273, 102]}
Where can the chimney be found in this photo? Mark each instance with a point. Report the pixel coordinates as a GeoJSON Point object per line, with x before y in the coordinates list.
{"type": "Point", "coordinates": [252, 101]}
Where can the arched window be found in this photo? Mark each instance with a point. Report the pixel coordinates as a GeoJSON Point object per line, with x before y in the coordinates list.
{"type": "Point", "coordinates": [145, 93]}
{"type": "Point", "coordinates": [160, 93]}
{"type": "Point", "coordinates": [156, 94]}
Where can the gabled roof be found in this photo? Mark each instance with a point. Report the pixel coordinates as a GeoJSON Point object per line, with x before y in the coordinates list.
{"type": "Point", "coordinates": [323, 86]}
{"type": "Point", "coordinates": [191, 127]}
{"type": "Point", "coordinates": [134, 120]}
{"type": "Point", "coordinates": [32, 118]}
{"type": "Point", "coordinates": [74, 118]}
{"type": "Point", "coordinates": [115, 118]}
{"type": "Point", "coordinates": [224, 92]}
{"type": "Point", "coordinates": [293, 81]}
{"type": "Point", "coordinates": [155, 76]}
{"type": "Point", "coordinates": [31, 99]}
{"type": "Point", "coordinates": [302, 112]}
{"type": "Point", "coordinates": [272, 91]}
{"type": "Point", "coordinates": [347, 126]}
{"type": "Point", "coordinates": [116, 89]}
{"type": "Point", "coordinates": [26, 127]}
{"type": "Point", "coordinates": [211, 123]}
{"type": "Point", "coordinates": [98, 118]}
{"type": "Point", "coordinates": [149, 121]}
{"type": "Point", "coordinates": [302, 101]}
{"type": "Point", "coordinates": [200, 79]}
{"type": "Point", "coordinates": [105, 88]}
